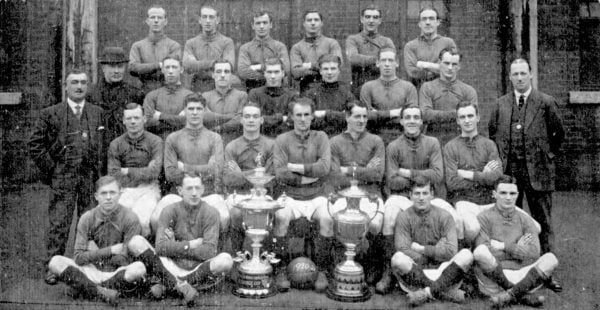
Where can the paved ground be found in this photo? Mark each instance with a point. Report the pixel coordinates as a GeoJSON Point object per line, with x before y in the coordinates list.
{"type": "Point", "coordinates": [23, 221]}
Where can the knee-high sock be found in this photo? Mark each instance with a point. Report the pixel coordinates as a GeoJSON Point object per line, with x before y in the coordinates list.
{"type": "Point", "coordinates": [118, 282]}
{"type": "Point", "coordinates": [498, 276]}
{"type": "Point", "coordinates": [416, 277]}
{"type": "Point", "coordinates": [279, 246]}
{"type": "Point", "coordinates": [452, 275]}
{"type": "Point", "coordinates": [155, 267]}
{"type": "Point", "coordinates": [76, 279]}
{"type": "Point", "coordinates": [201, 275]}
{"type": "Point", "coordinates": [323, 253]}
{"type": "Point", "coordinates": [237, 235]}
{"type": "Point", "coordinates": [223, 236]}
{"type": "Point", "coordinates": [533, 279]}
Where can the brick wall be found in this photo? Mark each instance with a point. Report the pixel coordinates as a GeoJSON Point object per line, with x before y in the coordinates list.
{"type": "Point", "coordinates": [474, 24]}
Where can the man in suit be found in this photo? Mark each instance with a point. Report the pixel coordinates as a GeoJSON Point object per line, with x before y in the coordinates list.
{"type": "Point", "coordinates": [67, 144]}
{"type": "Point", "coordinates": [528, 131]}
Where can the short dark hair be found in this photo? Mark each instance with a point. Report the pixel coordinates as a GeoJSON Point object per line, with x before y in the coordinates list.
{"type": "Point", "coordinates": [157, 6]}
{"type": "Point", "coordinates": [420, 181]}
{"type": "Point", "coordinates": [452, 51]}
{"type": "Point", "coordinates": [105, 180]}
{"type": "Point", "coordinates": [221, 61]}
{"type": "Point", "coordinates": [252, 104]}
{"type": "Point", "coordinates": [464, 104]}
{"type": "Point", "coordinates": [273, 61]}
{"type": "Point", "coordinates": [173, 57]}
{"type": "Point", "coordinates": [387, 49]}
{"type": "Point", "coordinates": [312, 11]}
{"type": "Point", "coordinates": [505, 179]}
{"type": "Point", "coordinates": [429, 8]}
{"type": "Point", "coordinates": [133, 106]}
{"type": "Point", "coordinates": [194, 97]}
{"type": "Point", "coordinates": [354, 103]}
{"type": "Point", "coordinates": [371, 7]}
{"type": "Point", "coordinates": [207, 6]}
{"type": "Point", "coordinates": [303, 101]}
{"type": "Point", "coordinates": [190, 174]}
{"type": "Point", "coordinates": [410, 106]}
{"type": "Point", "coordinates": [329, 58]}
{"type": "Point", "coordinates": [75, 71]}
{"type": "Point", "coordinates": [259, 13]}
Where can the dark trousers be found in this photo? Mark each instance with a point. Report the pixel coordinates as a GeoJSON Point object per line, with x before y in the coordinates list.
{"type": "Point", "coordinates": [70, 189]}
{"type": "Point", "coordinates": [540, 205]}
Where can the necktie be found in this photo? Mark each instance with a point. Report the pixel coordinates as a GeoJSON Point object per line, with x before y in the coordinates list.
{"type": "Point", "coordinates": [78, 111]}
{"type": "Point", "coordinates": [521, 101]}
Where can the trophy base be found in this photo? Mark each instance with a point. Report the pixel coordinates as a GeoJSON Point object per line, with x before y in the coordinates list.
{"type": "Point", "coordinates": [365, 295]}
{"type": "Point", "coordinates": [255, 286]}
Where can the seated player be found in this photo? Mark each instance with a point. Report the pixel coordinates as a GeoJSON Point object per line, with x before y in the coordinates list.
{"type": "Point", "coordinates": [186, 256]}
{"type": "Point", "coordinates": [195, 150]}
{"type": "Point", "coordinates": [102, 267]}
{"type": "Point", "coordinates": [359, 155]}
{"type": "Point", "coordinates": [242, 155]}
{"type": "Point", "coordinates": [273, 98]}
{"type": "Point", "coordinates": [302, 161]}
{"type": "Point", "coordinates": [426, 263]}
{"type": "Point", "coordinates": [411, 155]}
{"type": "Point", "coordinates": [136, 158]}
{"type": "Point", "coordinates": [507, 256]}
{"type": "Point", "coordinates": [472, 165]}
{"type": "Point", "coordinates": [330, 97]}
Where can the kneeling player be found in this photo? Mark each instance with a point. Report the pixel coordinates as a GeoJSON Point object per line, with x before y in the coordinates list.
{"type": "Point", "coordinates": [508, 259]}
{"type": "Point", "coordinates": [426, 263]}
{"type": "Point", "coordinates": [102, 267]}
{"type": "Point", "coordinates": [186, 244]}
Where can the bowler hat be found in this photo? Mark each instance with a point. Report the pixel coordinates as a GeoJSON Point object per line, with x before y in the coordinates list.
{"type": "Point", "coordinates": [113, 55]}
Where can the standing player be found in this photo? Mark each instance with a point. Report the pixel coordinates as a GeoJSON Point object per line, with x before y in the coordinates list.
{"type": "Point", "coordinates": [362, 49]}
{"type": "Point", "coordinates": [102, 267]}
{"type": "Point", "coordinates": [136, 158]}
{"type": "Point", "coordinates": [201, 51]}
{"type": "Point", "coordinates": [421, 54]}
{"type": "Point", "coordinates": [304, 55]}
{"type": "Point", "coordinates": [508, 259]}
{"type": "Point", "coordinates": [387, 95]}
{"type": "Point", "coordinates": [438, 98]}
{"type": "Point", "coordinates": [146, 55]}
{"type": "Point", "coordinates": [426, 263]}
{"type": "Point", "coordinates": [252, 55]}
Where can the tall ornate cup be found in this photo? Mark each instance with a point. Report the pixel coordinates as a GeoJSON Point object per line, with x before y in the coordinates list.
{"type": "Point", "coordinates": [350, 227]}
{"type": "Point", "coordinates": [255, 270]}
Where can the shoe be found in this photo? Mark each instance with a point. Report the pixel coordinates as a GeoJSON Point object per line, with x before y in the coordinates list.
{"type": "Point", "coordinates": [553, 285]}
{"type": "Point", "coordinates": [51, 278]}
{"type": "Point", "coordinates": [385, 284]}
{"type": "Point", "coordinates": [189, 293]}
{"type": "Point", "coordinates": [532, 300]}
{"type": "Point", "coordinates": [108, 295]}
{"type": "Point", "coordinates": [282, 282]}
{"type": "Point", "coordinates": [158, 291]}
{"type": "Point", "coordinates": [502, 299]}
{"type": "Point", "coordinates": [322, 283]}
{"type": "Point", "coordinates": [418, 297]}
{"type": "Point", "coordinates": [455, 295]}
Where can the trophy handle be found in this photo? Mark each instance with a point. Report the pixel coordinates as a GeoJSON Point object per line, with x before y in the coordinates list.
{"type": "Point", "coordinates": [331, 199]}
{"type": "Point", "coordinates": [374, 198]}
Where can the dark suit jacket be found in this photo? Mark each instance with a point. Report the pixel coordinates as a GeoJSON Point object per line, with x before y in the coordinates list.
{"type": "Point", "coordinates": [49, 138]}
{"type": "Point", "coordinates": [543, 135]}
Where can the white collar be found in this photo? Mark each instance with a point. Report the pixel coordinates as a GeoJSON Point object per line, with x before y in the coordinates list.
{"type": "Point", "coordinates": [72, 104]}
{"type": "Point", "coordinates": [525, 94]}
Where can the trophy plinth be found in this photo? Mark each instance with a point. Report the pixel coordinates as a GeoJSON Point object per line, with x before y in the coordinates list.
{"type": "Point", "coordinates": [258, 212]}
{"type": "Point", "coordinates": [350, 227]}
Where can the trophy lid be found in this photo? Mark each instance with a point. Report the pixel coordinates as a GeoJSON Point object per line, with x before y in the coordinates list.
{"type": "Point", "coordinates": [353, 191]}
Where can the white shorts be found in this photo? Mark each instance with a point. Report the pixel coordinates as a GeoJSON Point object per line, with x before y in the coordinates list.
{"type": "Point", "coordinates": [303, 208]}
{"type": "Point", "coordinates": [489, 287]}
{"type": "Point", "coordinates": [142, 200]}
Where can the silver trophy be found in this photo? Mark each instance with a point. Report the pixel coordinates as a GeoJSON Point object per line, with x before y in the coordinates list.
{"type": "Point", "coordinates": [255, 271]}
